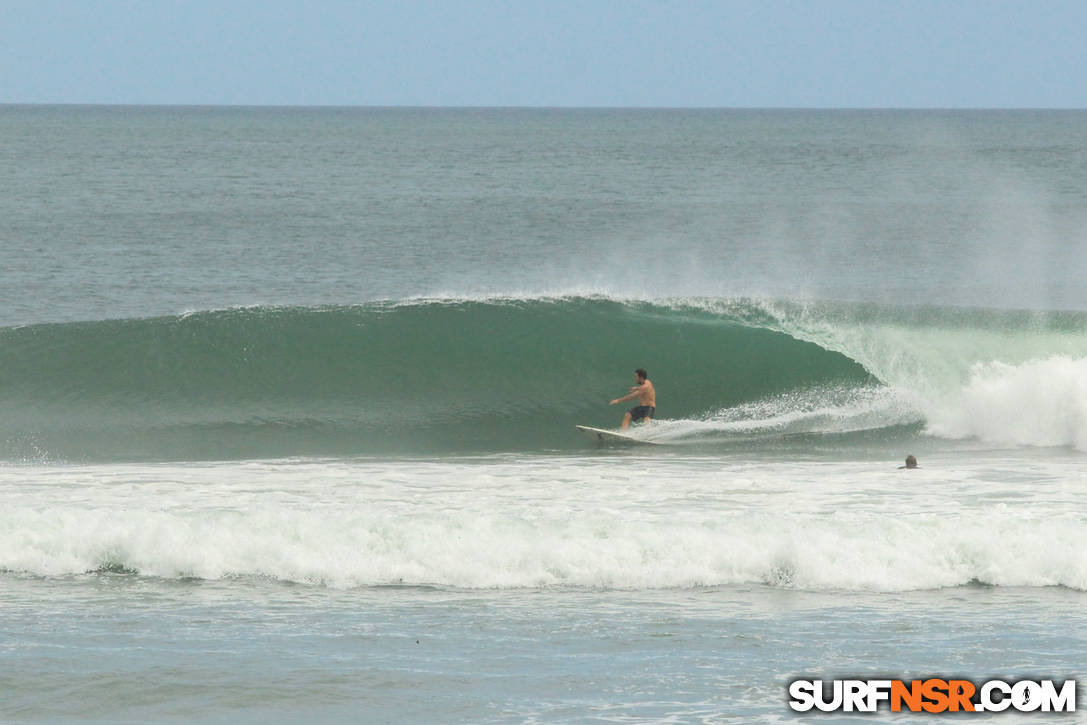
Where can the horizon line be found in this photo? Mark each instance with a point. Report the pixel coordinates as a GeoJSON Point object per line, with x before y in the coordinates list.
{"type": "Point", "coordinates": [468, 107]}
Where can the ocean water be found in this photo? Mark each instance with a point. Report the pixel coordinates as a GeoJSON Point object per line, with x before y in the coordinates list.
{"type": "Point", "coordinates": [288, 402]}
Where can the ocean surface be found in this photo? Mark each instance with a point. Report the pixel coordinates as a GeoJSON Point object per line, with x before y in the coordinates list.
{"type": "Point", "coordinates": [288, 396]}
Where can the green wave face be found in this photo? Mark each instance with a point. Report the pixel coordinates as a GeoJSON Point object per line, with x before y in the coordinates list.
{"type": "Point", "coordinates": [441, 376]}
{"type": "Point", "coordinates": [389, 377]}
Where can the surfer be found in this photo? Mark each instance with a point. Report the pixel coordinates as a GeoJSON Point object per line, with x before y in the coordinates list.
{"type": "Point", "coordinates": [911, 462]}
{"type": "Point", "coordinates": [647, 399]}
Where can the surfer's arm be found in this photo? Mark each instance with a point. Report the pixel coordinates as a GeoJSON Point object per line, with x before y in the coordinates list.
{"type": "Point", "coordinates": [625, 398]}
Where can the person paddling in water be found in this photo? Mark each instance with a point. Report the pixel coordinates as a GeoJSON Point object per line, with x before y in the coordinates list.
{"type": "Point", "coordinates": [647, 400]}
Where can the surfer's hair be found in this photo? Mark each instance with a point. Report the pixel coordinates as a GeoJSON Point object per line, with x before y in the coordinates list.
{"type": "Point", "coordinates": [641, 373]}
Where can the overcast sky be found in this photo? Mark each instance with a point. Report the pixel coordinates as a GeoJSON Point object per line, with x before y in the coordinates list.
{"type": "Point", "coordinates": [767, 53]}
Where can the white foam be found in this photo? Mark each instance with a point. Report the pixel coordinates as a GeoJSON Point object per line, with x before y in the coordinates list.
{"type": "Point", "coordinates": [824, 409]}
{"type": "Point", "coordinates": [880, 553]}
{"type": "Point", "coordinates": [612, 523]}
{"type": "Point", "coordinates": [1008, 378]}
{"type": "Point", "coordinates": [1038, 403]}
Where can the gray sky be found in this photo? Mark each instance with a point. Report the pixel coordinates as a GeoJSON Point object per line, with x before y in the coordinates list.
{"type": "Point", "coordinates": [773, 53]}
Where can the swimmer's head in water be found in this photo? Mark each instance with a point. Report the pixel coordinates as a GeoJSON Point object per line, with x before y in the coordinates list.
{"type": "Point", "coordinates": [911, 462]}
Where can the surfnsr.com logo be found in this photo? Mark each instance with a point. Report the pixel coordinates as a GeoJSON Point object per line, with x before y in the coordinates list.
{"type": "Point", "coordinates": [933, 695]}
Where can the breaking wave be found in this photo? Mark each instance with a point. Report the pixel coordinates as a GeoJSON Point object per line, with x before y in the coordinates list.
{"type": "Point", "coordinates": [508, 374]}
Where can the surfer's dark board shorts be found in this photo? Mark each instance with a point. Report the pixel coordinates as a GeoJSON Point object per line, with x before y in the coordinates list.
{"type": "Point", "coordinates": [642, 411]}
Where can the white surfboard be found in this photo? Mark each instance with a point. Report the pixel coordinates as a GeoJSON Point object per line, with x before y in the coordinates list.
{"type": "Point", "coordinates": [600, 434]}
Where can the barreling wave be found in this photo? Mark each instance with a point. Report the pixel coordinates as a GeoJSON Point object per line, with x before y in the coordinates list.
{"type": "Point", "coordinates": [509, 374]}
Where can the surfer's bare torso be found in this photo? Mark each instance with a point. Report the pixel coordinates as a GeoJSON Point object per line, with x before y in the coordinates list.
{"type": "Point", "coordinates": [646, 395]}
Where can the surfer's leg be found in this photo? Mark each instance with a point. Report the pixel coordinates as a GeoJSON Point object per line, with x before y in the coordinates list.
{"type": "Point", "coordinates": [626, 421]}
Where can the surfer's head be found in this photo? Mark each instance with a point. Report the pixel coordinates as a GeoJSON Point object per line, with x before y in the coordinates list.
{"type": "Point", "coordinates": [911, 462]}
{"type": "Point", "coordinates": [641, 374]}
